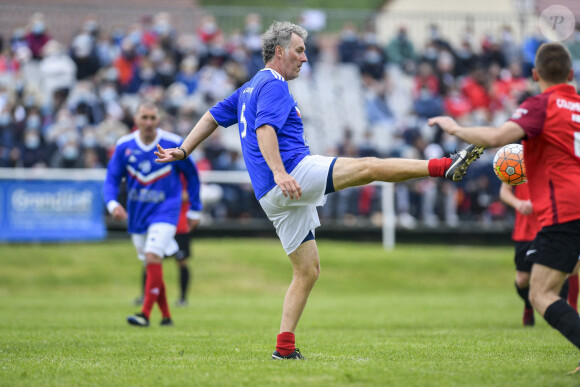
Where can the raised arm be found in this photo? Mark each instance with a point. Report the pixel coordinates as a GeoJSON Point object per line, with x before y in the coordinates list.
{"type": "Point", "coordinates": [486, 136]}
{"type": "Point", "coordinates": [268, 143]}
{"type": "Point", "coordinates": [204, 127]}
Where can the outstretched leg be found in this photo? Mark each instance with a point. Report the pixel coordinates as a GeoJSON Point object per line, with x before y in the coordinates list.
{"type": "Point", "coordinates": [352, 172]}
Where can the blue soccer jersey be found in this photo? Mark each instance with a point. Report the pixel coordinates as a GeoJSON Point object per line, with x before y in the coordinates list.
{"type": "Point", "coordinates": [153, 189]}
{"type": "Point", "coordinates": [264, 100]}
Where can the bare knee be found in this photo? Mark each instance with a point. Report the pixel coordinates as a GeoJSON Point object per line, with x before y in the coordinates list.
{"type": "Point", "coordinates": [522, 279]}
{"type": "Point", "coordinates": [309, 272]}
{"type": "Point", "coordinates": [152, 258]}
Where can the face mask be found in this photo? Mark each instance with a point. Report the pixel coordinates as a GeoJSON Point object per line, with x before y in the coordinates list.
{"type": "Point", "coordinates": [32, 141]}
{"type": "Point", "coordinates": [70, 152]}
{"type": "Point", "coordinates": [38, 28]}
{"type": "Point", "coordinates": [135, 37]}
{"type": "Point", "coordinates": [5, 119]}
{"type": "Point", "coordinates": [372, 57]}
{"type": "Point", "coordinates": [81, 121]}
{"type": "Point", "coordinates": [161, 28]}
{"type": "Point", "coordinates": [109, 94]}
{"type": "Point", "coordinates": [157, 55]}
{"type": "Point", "coordinates": [90, 141]}
{"type": "Point", "coordinates": [147, 74]}
{"type": "Point", "coordinates": [33, 122]}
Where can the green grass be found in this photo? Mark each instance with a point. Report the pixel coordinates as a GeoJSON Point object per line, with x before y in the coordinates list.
{"type": "Point", "coordinates": [418, 316]}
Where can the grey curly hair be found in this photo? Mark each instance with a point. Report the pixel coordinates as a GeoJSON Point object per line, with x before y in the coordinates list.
{"type": "Point", "coordinates": [279, 34]}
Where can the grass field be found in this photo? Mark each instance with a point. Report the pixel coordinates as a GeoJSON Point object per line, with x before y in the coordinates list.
{"type": "Point", "coordinates": [418, 316]}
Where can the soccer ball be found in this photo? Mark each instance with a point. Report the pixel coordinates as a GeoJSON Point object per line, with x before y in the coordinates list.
{"type": "Point", "coordinates": [509, 166]}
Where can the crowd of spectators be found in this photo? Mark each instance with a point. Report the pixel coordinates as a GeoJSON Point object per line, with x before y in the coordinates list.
{"type": "Point", "coordinates": [64, 105]}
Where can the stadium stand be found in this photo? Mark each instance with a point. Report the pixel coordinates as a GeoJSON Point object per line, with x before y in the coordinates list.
{"type": "Point", "coordinates": [70, 75]}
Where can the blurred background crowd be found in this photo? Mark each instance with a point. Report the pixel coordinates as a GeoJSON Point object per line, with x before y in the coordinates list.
{"type": "Point", "coordinates": [64, 104]}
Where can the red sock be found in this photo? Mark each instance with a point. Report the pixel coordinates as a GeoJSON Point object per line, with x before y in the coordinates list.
{"type": "Point", "coordinates": [285, 343]}
{"type": "Point", "coordinates": [162, 301]}
{"type": "Point", "coordinates": [573, 291]}
{"type": "Point", "coordinates": [153, 287]}
{"type": "Point", "coordinates": [437, 167]}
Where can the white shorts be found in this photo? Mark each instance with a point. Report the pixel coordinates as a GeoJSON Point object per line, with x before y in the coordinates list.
{"type": "Point", "coordinates": [159, 240]}
{"type": "Point", "coordinates": [294, 219]}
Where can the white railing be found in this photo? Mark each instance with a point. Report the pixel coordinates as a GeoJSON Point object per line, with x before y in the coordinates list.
{"type": "Point", "coordinates": [216, 177]}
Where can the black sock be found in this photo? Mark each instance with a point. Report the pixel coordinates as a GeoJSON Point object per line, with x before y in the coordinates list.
{"type": "Point", "coordinates": [524, 293]}
{"type": "Point", "coordinates": [564, 290]}
{"type": "Point", "coordinates": [564, 318]}
{"type": "Point", "coordinates": [184, 281]}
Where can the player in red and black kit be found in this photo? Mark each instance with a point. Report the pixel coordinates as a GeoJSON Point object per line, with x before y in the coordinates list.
{"type": "Point", "coordinates": [549, 124]}
{"type": "Point", "coordinates": [526, 226]}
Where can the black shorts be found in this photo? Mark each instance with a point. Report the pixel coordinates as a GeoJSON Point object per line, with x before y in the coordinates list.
{"type": "Point", "coordinates": [557, 246]}
{"type": "Point", "coordinates": [183, 241]}
{"type": "Point", "coordinates": [520, 257]}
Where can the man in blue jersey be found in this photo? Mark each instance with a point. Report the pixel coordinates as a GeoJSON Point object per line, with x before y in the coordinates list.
{"type": "Point", "coordinates": [289, 182]}
{"type": "Point", "coordinates": [153, 201]}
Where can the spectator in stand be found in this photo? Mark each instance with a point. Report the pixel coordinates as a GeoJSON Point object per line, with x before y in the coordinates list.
{"type": "Point", "coordinates": [475, 88]}
{"type": "Point", "coordinates": [127, 65]}
{"type": "Point", "coordinates": [350, 46]}
{"type": "Point", "coordinates": [401, 51]}
{"type": "Point", "coordinates": [491, 52]}
{"type": "Point", "coordinates": [35, 153]}
{"type": "Point", "coordinates": [373, 62]}
{"type": "Point", "coordinates": [37, 35]}
{"type": "Point", "coordinates": [85, 56]}
{"type": "Point", "coordinates": [508, 46]}
{"type": "Point", "coordinates": [253, 43]}
{"type": "Point", "coordinates": [58, 70]}
{"type": "Point", "coordinates": [426, 97]}
{"type": "Point", "coordinates": [455, 103]}
{"type": "Point", "coordinates": [8, 63]}
{"type": "Point", "coordinates": [465, 59]}
{"type": "Point", "coordinates": [529, 48]}
{"type": "Point", "coordinates": [188, 74]}
{"type": "Point", "coordinates": [208, 30]}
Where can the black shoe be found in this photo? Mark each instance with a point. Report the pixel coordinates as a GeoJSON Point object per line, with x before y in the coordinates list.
{"type": "Point", "coordinates": [166, 322]}
{"type": "Point", "coordinates": [296, 355]}
{"type": "Point", "coordinates": [138, 319]}
{"type": "Point", "coordinates": [461, 160]}
{"type": "Point", "coordinates": [181, 302]}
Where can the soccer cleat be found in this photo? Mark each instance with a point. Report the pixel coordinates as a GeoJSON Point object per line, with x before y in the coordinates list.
{"type": "Point", "coordinates": [528, 317]}
{"type": "Point", "coordinates": [138, 319]}
{"type": "Point", "coordinates": [296, 355]}
{"type": "Point", "coordinates": [461, 160]}
{"type": "Point", "coordinates": [166, 322]}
